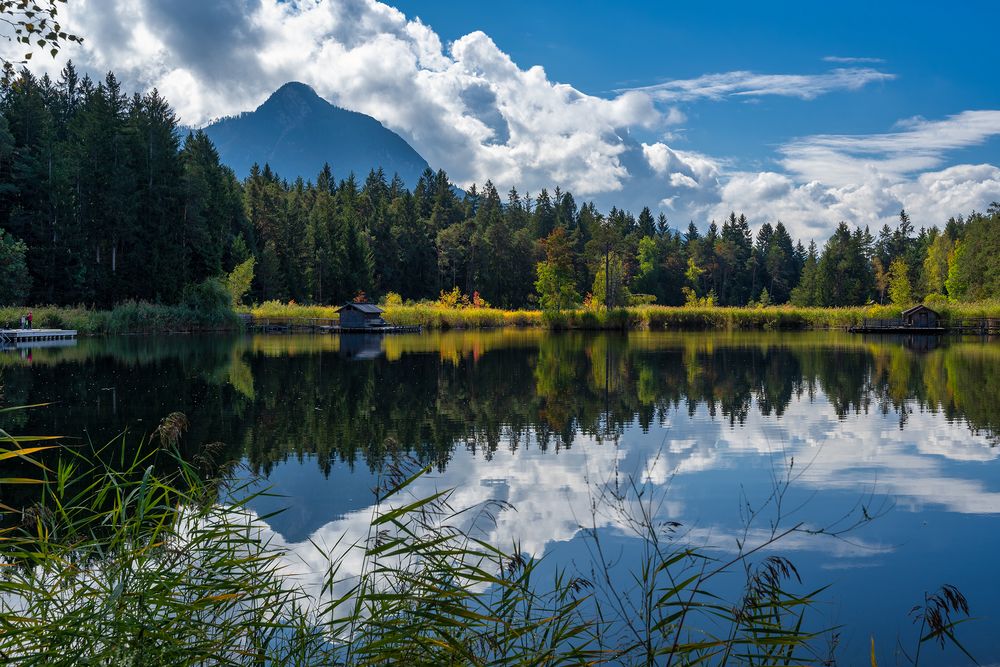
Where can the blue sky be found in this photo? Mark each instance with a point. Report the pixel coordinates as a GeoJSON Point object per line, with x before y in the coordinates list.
{"type": "Point", "coordinates": [806, 113]}
{"type": "Point", "coordinates": [941, 67]}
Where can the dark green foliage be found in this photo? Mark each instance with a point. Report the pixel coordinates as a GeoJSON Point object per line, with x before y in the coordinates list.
{"type": "Point", "coordinates": [844, 274]}
{"type": "Point", "coordinates": [15, 282]}
{"type": "Point", "coordinates": [974, 271]}
{"type": "Point", "coordinates": [807, 293]}
{"type": "Point", "coordinates": [109, 205]}
{"type": "Point", "coordinates": [210, 295]}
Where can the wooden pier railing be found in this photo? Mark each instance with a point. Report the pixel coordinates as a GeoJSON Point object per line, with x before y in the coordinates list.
{"type": "Point", "coordinates": [983, 326]}
{"type": "Point", "coordinates": [980, 326]}
{"type": "Point", "coordinates": [883, 323]}
{"type": "Point", "coordinates": [317, 324]}
{"type": "Point", "coordinates": [288, 323]}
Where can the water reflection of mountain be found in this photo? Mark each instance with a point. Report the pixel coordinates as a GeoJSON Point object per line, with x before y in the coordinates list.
{"type": "Point", "coordinates": [273, 397]}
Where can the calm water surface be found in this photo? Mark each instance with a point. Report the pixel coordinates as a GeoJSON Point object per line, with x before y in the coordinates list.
{"type": "Point", "coordinates": [705, 422]}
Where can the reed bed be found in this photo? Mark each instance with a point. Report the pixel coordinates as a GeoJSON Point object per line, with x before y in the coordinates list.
{"type": "Point", "coordinates": [141, 317]}
{"type": "Point", "coordinates": [129, 317]}
{"type": "Point", "coordinates": [786, 317]}
{"type": "Point", "coordinates": [428, 315]}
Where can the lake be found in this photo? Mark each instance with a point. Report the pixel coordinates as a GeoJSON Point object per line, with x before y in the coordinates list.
{"type": "Point", "coordinates": [846, 428]}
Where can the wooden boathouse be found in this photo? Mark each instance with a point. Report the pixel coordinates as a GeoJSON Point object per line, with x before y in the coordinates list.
{"type": "Point", "coordinates": [361, 316]}
{"type": "Point", "coordinates": [921, 317]}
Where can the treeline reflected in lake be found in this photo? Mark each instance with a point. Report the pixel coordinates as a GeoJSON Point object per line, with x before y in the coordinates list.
{"type": "Point", "coordinates": [361, 398]}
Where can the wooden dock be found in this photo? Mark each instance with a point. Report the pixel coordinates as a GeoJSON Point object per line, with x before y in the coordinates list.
{"type": "Point", "coordinates": [372, 330]}
{"type": "Point", "coordinates": [318, 325]}
{"type": "Point", "coordinates": [974, 327]}
{"type": "Point", "coordinates": [36, 337]}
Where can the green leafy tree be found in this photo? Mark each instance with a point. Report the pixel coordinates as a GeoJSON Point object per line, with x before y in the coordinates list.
{"type": "Point", "coordinates": [936, 263]}
{"type": "Point", "coordinates": [607, 241]}
{"type": "Point", "coordinates": [648, 278]}
{"type": "Point", "coordinates": [693, 274]}
{"type": "Point", "coordinates": [239, 280]}
{"type": "Point", "coordinates": [35, 24]}
{"type": "Point", "coordinates": [974, 271]}
{"type": "Point", "coordinates": [555, 284]}
{"type": "Point", "coordinates": [900, 290]}
{"type": "Point", "coordinates": [610, 286]}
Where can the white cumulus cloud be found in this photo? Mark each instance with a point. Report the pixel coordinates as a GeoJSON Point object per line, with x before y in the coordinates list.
{"type": "Point", "coordinates": [810, 210]}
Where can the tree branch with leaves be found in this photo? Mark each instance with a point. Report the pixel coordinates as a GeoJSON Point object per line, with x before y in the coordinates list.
{"type": "Point", "coordinates": [35, 24]}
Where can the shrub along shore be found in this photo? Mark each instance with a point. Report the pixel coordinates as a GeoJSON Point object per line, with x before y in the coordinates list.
{"type": "Point", "coordinates": [138, 317]}
{"type": "Point", "coordinates": [206, 306]}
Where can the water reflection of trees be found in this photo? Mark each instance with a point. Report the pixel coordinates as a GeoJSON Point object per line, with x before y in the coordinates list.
{"type": "Point", "coordinates": [270, 398]}
{"type": "Point", "coordinates": [492, 394]}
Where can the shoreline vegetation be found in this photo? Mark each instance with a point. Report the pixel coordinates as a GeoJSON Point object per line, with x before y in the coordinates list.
{"type": "Point", "coordinates": [644, 317]}
{"type": "Point", "coordinates": [137, 317]}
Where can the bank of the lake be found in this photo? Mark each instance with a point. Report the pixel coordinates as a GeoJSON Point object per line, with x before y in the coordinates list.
{"type": "Point", "coordinates": [139, 317]}
{"type": "Point", "coordinates": [785, 317]}
{"type": "Point", "coordinates": [130, 317]}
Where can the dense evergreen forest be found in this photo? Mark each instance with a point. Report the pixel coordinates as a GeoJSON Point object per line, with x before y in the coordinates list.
{"type": "Point", "coordinates": [104, 199]}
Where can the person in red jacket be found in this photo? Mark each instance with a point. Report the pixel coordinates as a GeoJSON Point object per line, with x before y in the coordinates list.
{"type": "Point", "coordinates": [29, 319]}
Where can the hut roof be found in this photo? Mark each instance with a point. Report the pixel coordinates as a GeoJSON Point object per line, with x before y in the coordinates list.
{"type": "Point", "coordinates": [370, 308]}
{"type": "Point", "coordinates": [918, 308]}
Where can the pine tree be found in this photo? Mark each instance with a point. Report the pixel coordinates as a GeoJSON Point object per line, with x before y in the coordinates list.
{"type": "Point", "coordinates": [807, 292]}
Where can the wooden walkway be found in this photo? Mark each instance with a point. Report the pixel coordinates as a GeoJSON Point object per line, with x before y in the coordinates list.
{"type": "Point", "coordinates": [981, 326]}
{"type": "Point", "coordinates": [16, 337]}
{"type": "Point", "coordinates": [372, 330]}
{"type": "Point", "coordinates": [318, 325]}
{"type": "Point", "coordinates": [975, 327]}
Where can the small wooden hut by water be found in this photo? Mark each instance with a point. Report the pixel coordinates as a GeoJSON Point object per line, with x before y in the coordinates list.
{"type": "Point", "coordinates": [365, 318]}
{"type": "Point", "coordinates": [361, 316]}
{"type": "Point", "coordinates": [921, 317]}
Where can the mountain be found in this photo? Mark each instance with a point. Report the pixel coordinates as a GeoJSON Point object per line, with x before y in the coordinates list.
{"type": "Point", "coordinates": [296, 131]}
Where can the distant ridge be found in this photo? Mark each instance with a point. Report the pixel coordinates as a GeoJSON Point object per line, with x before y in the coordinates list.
{"type": "Point", "coordinates": [296, 132]}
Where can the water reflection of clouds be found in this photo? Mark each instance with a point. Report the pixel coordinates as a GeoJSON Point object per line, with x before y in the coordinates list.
{"type": "Point", "coordinates": [923, 464]}
{"type": "Point", "coordinates": [554, 492]}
